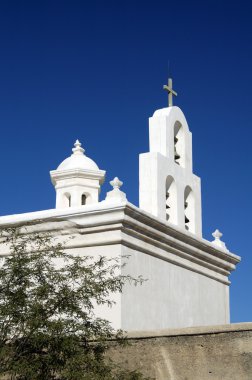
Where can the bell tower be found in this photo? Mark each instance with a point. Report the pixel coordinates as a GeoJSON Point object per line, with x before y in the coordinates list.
{"type": "Point", "coordinates": [168, 187]}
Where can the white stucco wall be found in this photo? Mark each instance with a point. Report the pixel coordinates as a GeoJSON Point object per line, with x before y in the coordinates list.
{"type": "Point", "coordinates": [187, 277]}
{"type": "Point", "coordinates": [156, 166]}
{"type": "Point", "coordinates": [112, 314]}
{"type": "Point", "coordinates": [172, 296]}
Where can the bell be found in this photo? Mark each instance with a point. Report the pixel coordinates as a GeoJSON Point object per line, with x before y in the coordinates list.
{"type": "Point", "coordinates": [167, 203]}
{"type": "Point", "coordinates": [176, 155]}
{"type": "Point", "coordinates": [167, 200]}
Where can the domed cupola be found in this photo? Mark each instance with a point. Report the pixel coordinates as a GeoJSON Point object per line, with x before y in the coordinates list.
{"type": "Point", "coordinates": [77, 180]}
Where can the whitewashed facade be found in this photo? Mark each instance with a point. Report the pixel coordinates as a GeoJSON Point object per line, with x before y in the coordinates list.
{"type": "Point", "coordinates": [187, 276]}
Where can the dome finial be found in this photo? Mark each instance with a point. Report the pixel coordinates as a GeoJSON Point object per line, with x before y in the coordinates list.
{"type": "Point", "coordinates": [77, 148]}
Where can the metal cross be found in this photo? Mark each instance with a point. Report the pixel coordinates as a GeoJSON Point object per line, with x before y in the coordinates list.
{"type": "Point", "coordinates": [171, 92]}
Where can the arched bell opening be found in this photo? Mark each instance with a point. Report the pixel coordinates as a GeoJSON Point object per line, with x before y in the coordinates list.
{"type": "Point", "coordinates": [67, 200]}
{"type": "Point", "coordinates": [86, 199]}
{"type": "Point", "coordinates": [171, 200]}
{"type": "Point", "coordinates": [189, 209]}
{"type": "Point", "coordinates": [179, 144]}
{"type": "Point", "coordinates": [83, 199]}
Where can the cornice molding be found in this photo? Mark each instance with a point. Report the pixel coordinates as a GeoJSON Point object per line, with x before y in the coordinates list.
{"type": "Point", "coordinates": [124, 223]}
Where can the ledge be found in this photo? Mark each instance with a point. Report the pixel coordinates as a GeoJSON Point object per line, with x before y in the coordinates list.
{"type": "Point", "coordinates": [201, 330]}
{"type": "Point", "coordinates": [136, 229]}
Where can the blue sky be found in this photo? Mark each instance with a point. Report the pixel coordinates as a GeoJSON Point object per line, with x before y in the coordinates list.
{"type": "Point", "coordinates": [95, 71]}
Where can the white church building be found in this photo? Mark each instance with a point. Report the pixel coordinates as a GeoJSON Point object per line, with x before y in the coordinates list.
{"type": "Point", "coordinates": [187, 276]}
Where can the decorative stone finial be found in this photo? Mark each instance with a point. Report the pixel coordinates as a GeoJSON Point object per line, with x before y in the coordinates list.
{"type": "Point", "coordinates": [217, 239]}
{"type": "Point", "coordinates": [116, 195]}
{"type": "Point", "coordinates": [116, 183]}
{"type": "Point", "coordinates": [217, 234]}
{"type": "Point", "coordinates": [77, 148]}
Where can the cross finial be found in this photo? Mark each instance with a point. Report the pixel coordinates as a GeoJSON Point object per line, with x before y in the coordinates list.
{"type": "Point", "coordinates": [171, 92]}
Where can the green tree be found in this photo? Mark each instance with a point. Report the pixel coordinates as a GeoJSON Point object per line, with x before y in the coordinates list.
{"type": "Point", "coordinates": [48, 329]}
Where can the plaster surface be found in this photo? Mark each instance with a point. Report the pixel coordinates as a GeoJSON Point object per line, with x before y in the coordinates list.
{"type": "Point", "coordinates": [77, 180]}
{"type": "Point", "coordinates": [177, 297]}
{"type": "Point", "coordinates": [168, 187]}
{"type": "Point", "coordinates": [187, 276]}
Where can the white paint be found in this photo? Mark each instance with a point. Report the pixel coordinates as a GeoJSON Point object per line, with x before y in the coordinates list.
{"type": "Point", "coordinates": [77, 180]}
{"type": "Point", "coordinates": [116, 195]}
{"type": "Point", "coordinates": [159, 169]}
{"type": "Point", "coordinates": [187, 276]}
{"type": "Point", "coordinates": [177, 297]}
{"type": "Point", "coordinates": [113, 313]}
{"type": "Point", "coordinates": [217, 240]}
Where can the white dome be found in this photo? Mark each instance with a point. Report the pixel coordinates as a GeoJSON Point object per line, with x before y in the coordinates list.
{"type": "Point", "coordinates": [78, 160]}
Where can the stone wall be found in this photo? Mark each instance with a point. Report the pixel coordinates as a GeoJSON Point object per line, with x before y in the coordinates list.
{"type": "Point", "coordinates": [201, 353]}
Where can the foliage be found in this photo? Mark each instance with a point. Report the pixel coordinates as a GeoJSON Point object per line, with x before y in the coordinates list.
{"type": "Point", "coordinates": [48, 329]}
